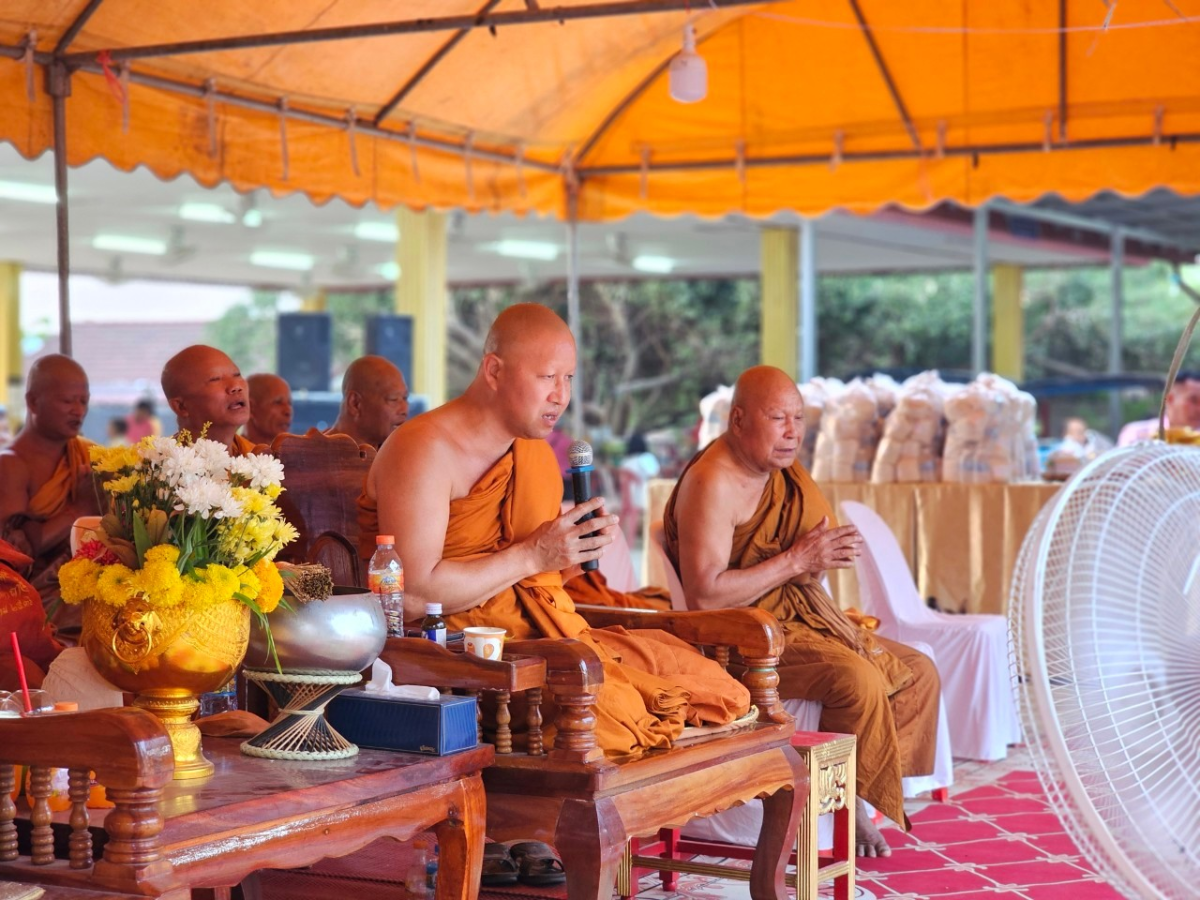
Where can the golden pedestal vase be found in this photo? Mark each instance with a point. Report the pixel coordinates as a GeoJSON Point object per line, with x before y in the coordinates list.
{"type": "Point", "coordinates": [168, 658]}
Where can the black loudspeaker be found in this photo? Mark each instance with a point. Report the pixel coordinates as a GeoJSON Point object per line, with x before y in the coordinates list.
{"type": "Point", "coordinates": [391, 337]}
{"type": "Point", "coordinates": [305, 355]}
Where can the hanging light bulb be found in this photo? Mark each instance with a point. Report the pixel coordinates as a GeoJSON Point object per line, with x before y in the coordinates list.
{"type": "Point", "coordinates": [688, 74]}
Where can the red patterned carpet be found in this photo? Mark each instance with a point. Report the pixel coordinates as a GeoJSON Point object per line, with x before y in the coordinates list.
{"type": "Point", "coordinates": [999, 841]}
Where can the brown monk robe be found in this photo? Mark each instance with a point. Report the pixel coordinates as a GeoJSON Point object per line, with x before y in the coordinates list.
{"type": "Point", "coordinates": [209, 396]}
{"type": "Point", "coordinates": [884, 692]}
{"type": "Point", "coordinates": [45, 476]}
{"type": "Point", "coordinates": [471, 492]}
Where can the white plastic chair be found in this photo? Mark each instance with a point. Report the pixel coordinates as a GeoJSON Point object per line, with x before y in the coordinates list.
{"type": "Point", "coordinates": [971, 650]}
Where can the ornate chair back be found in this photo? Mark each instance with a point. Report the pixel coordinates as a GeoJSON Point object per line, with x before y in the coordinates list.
{"type": "Point", "coordinates": [323, 477]}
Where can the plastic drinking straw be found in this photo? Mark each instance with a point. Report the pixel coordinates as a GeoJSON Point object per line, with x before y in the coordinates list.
{"type": "Point", "coordinates": [16, 645]}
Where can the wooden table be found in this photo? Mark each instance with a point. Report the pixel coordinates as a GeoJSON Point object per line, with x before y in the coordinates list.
{"type": "Point", "coordinates": [269, 814]}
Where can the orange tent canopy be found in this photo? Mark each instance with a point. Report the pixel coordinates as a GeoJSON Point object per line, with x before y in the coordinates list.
{"type": "Point", "coordinates": [812, 104]}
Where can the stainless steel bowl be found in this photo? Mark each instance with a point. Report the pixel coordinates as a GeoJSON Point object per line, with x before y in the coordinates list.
{"type": "Point", "coordinates": [346, 632]}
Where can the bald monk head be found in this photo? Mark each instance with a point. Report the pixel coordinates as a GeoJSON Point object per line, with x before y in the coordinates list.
{"type": "Point", "coordinates": [56, 397]}
{"type": "Point", "coordinates": [270, 407]}
{"type": "Point", "coordinates": [204, 387]}
{"type": "Point", "coordinates": [766, 420]}
{"type": "Point", "coordinates": [374, 401]}
{"type": "Point", "coordinates": [527, 368]}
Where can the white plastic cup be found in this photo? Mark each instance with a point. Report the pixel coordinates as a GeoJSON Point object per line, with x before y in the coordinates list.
{"type": "Point", "coordinates": [82, 531]}
{"type": "Point", "coordinates": [484, 642]}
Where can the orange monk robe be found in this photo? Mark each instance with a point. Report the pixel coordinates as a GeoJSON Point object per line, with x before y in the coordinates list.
{"type": "Point", "coordinates": [242, 446]}
{"type": "Point", "coordinates": [60, 489]}
{"type": "Point", "coordinates": [21, 611]}
{"type": "Point", "coordinates": [654, 683]}
{"type": "Point", "coordinates": [884, 692]}
{"type": "Point", "coordinates": [592, 588]}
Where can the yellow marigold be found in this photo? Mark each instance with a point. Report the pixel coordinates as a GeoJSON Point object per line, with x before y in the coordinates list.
{"type": "Point", "coordinates": [163, 552]}
{"type": "Point", "coordinates": [196, 593]}
{"type": "Point", "coordinates": [223, 582]}
{"type": "Point", "coordinates": [122, 485]}
{"type": "Point", "coordinates": [249, 585]}
{"type": "Point", "coordinates": [114, 584]}
{"type": "Point", "coordinates": [77, 580]}
{"type": "Point", "coordinates": [271, 591]}
{"type": "Point", "coordinates": [158, 581]}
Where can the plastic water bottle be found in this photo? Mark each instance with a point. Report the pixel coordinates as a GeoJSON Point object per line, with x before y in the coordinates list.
{"type": "Point", "coordinates": [415, 884]}
{"type": "Point", "coordinates": [431, 871]}
{"type": "Point", "coordinates": [385, 575]}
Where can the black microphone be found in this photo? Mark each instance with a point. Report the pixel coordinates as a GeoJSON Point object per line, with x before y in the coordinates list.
{"type": "Point", "coordinates": [580, 456]}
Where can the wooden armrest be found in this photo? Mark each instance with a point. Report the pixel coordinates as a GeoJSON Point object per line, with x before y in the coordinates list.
{"type": "Point", "coordinates": [128, 749]}
{"type": "Point", "coordinates": [421, 661]}
{"type": "Point", "coordinates": [754, 632]}
{"type": "Point", "coordinates": [574, 674]}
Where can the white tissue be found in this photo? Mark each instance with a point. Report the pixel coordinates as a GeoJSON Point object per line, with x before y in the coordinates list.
{"type": "Point", "coordinates": [381, 683]}
{"type": "Point", "coordinates": [73, 677]}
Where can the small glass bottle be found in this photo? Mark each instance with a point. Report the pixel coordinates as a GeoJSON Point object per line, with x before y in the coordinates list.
{"type": "Point", "coordinates": [434, 626]}
{"type": "Point", "coordinates": [414, 880]}
{"type": "Point", "coordinates": [431, 870]}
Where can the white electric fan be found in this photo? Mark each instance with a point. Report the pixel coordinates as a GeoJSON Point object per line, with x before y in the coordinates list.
{"type": "Point", "coordinates": [1105, 622]}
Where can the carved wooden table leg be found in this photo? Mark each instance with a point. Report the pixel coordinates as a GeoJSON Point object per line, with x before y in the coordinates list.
{"type": "Point", "coordinates": [831, 760]}
{"type": "Point", "coordinates": [782, 812]}
{"type": "Point", "coordinates": [590, 838]}
{"type": "Point", "coordinates": [460, 844]}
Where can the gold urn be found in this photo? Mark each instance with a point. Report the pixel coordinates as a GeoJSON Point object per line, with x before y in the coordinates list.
{"type": "Point", "coordinates": [168, 658]}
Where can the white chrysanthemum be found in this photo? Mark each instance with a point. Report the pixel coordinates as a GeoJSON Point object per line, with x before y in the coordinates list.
{"type": "Point", "coordinates": [215, 457]}
{"type": "Point", "coordinates": [203, 497]}
{"type": "Point", "coordinates": [230, 507]}
{"type": "Point", "coordinates": [155, 449]}
{"type": "Point", "coordinates": [258, 469]}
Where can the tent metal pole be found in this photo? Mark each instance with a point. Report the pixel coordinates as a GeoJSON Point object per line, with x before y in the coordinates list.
{"type": "Point", "coordinates": [574, 316]}
{"type": "Point", "coordinates": [1116, 334]}
{"type": "Point", "coordinates": [808, 299]}
{"type": "Point", "coordinates": [59, 88]}
{"type": "Point", "coordinates": [979, 308]}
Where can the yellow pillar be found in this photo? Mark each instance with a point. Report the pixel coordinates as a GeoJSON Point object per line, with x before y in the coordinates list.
{"type": "Point", "coordinates": [315, 301]}
{"type": "Point", "coordinates": [421, 293]}
{"type": "Point", "coordinates": [780, 274]}
{"type": "Point", "coordinates": [1008, 322]}
{"type": "Point", "coordinates": [11, 363]}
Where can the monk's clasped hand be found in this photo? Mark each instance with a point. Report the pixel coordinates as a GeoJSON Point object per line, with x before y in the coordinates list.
{"type": "Point", "coordinates": [565, 542]}
{"type": "Point", "coordinates": [825, 548]}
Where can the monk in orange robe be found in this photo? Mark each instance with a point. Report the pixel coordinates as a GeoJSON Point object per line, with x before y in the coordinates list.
{"type": "Point", "coordinates": [747, 526]}
{"type": "Point", "coordinates": [374, 401]}
{"type": "Point", "coordinates": [209, 396]}
{"type": "Point", "coordinates": [270, 408]}
{"type": "Point", "coordinates": [471, 492]}
{"type": "Point", "coordinates": [46, 478]}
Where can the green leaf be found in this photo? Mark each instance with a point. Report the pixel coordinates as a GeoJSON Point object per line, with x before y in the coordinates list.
{"type": "Point", "coordinates": [141, 539]}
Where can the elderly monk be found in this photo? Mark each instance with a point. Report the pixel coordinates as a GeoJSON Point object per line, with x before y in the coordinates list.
{"type": "Point", "coordinates": [45, 475]}
{"type": "Point", "coordinates": [270, 408]}
{"type": "Point", "coordinates": [374, 401]}
{"type": "Point", "coordinates": [747, 526]}
{"type": "Point", "coordinates": [207, 393]}
{"type": "Point", "coordinates": [471, 491]}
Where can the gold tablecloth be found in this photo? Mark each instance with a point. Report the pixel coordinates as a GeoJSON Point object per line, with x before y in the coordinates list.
{"type": "Point", "coordinates": [960, 540]}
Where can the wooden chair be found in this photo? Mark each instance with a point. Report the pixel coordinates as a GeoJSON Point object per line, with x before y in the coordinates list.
{"type": "Point", "coordinates": [130, 753]}
{"type": "Point", "coordinates": [590, 807]}
{"type": "Point", "coordinates": [323, 477]}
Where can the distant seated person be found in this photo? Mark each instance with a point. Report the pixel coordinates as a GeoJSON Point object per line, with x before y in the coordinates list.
{"type": "Point", "coordinates": [1078, 446]}
{"type": "Point", "coordinates": [46, 476]}
{"type": "Point", "coordinates": [118, 432]}
{"type": "Point", "coordinates": [1183, 411]}
{"type": "Point", "coordinates": [142, 422]}
{"type": "Point", "coordinates": [374, 401]}
{"type": "Point", "coordinates": [208, 395]}
{"type": "Point", "coordinates": [270, 408]}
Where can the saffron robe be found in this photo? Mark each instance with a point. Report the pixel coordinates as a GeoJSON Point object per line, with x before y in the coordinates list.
{"type": "Point", "coordinates": [881, 691]}
{"type": "Point", "coordinates": [241, 446]}
{"type": "Point", "coordinates": [654, 683]}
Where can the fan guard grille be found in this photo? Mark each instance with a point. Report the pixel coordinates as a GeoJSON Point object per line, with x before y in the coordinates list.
{"type": "Point", "coordinates": [1105, 643]}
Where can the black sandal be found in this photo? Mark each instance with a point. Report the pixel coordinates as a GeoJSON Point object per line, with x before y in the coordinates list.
{"type": "Point", "coordinates": [539, 864]}
{"type": "Point", "coordinates": [499, 868]}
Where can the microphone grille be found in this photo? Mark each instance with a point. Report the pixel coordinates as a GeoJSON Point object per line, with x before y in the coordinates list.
{"type": "Point", "coordinates": [580, 453]}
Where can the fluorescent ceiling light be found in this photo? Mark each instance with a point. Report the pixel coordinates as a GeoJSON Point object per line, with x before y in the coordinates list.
{"type": "Point", "coordinates": [206, 212]}
{"type": "Point", "coordinates": [659, 265]}
{"type": "Point", "coordinates": [252, 218]}
{"type": "Point", "coordinates": [390, 270]}
{"type": "Point", "coordinates": [542, 250]}
{"type": "Point", "coordinates": [385, 232]}
{"type": "Point", "coordinates": [28, 193]}
{"type": "Point", "coordinates": [125, 243]}
{"type": "Point", "coordinates": [282, 259]}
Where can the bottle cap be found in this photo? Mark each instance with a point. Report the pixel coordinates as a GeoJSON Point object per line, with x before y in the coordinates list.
{"type": "Point", "coordinates": [66, 706]}
{"type": "Point", "coordinates": [384, 539]}
{"type": "Point", "coordinates": [433, 609]}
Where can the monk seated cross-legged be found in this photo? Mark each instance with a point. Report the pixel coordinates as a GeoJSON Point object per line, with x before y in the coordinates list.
{"type": "Point", "coordinates": [747, 526]}
{"type": "Point", "coordinates": [209, 396]}
{"type": "Point", "coordinates": [46, 477]}
{"type": "Point", "coordinates": [471, 492]}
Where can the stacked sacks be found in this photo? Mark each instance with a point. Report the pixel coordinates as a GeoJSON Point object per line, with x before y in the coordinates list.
{"type": "Point", "coordinates": [849, 434]}
{"type": "Point", "coordinates": [816, 393]}
{"type": "Point", "coordinates": [911, 447]}
{"type": "Point", "coordinates": [989, 437]}
{"type": "Point", "coordinates": [714, 416]}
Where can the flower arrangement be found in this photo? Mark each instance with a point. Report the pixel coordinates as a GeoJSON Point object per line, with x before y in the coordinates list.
{"type": "Point", "coordinates": [186, 524]}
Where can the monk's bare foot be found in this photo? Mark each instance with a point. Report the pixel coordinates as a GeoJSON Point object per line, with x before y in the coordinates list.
{"type": "Point", "coordinates": [866, 836]}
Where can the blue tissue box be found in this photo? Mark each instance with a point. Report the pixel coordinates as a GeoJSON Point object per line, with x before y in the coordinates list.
{"type": "Point", "coordinates": [435, 727]}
